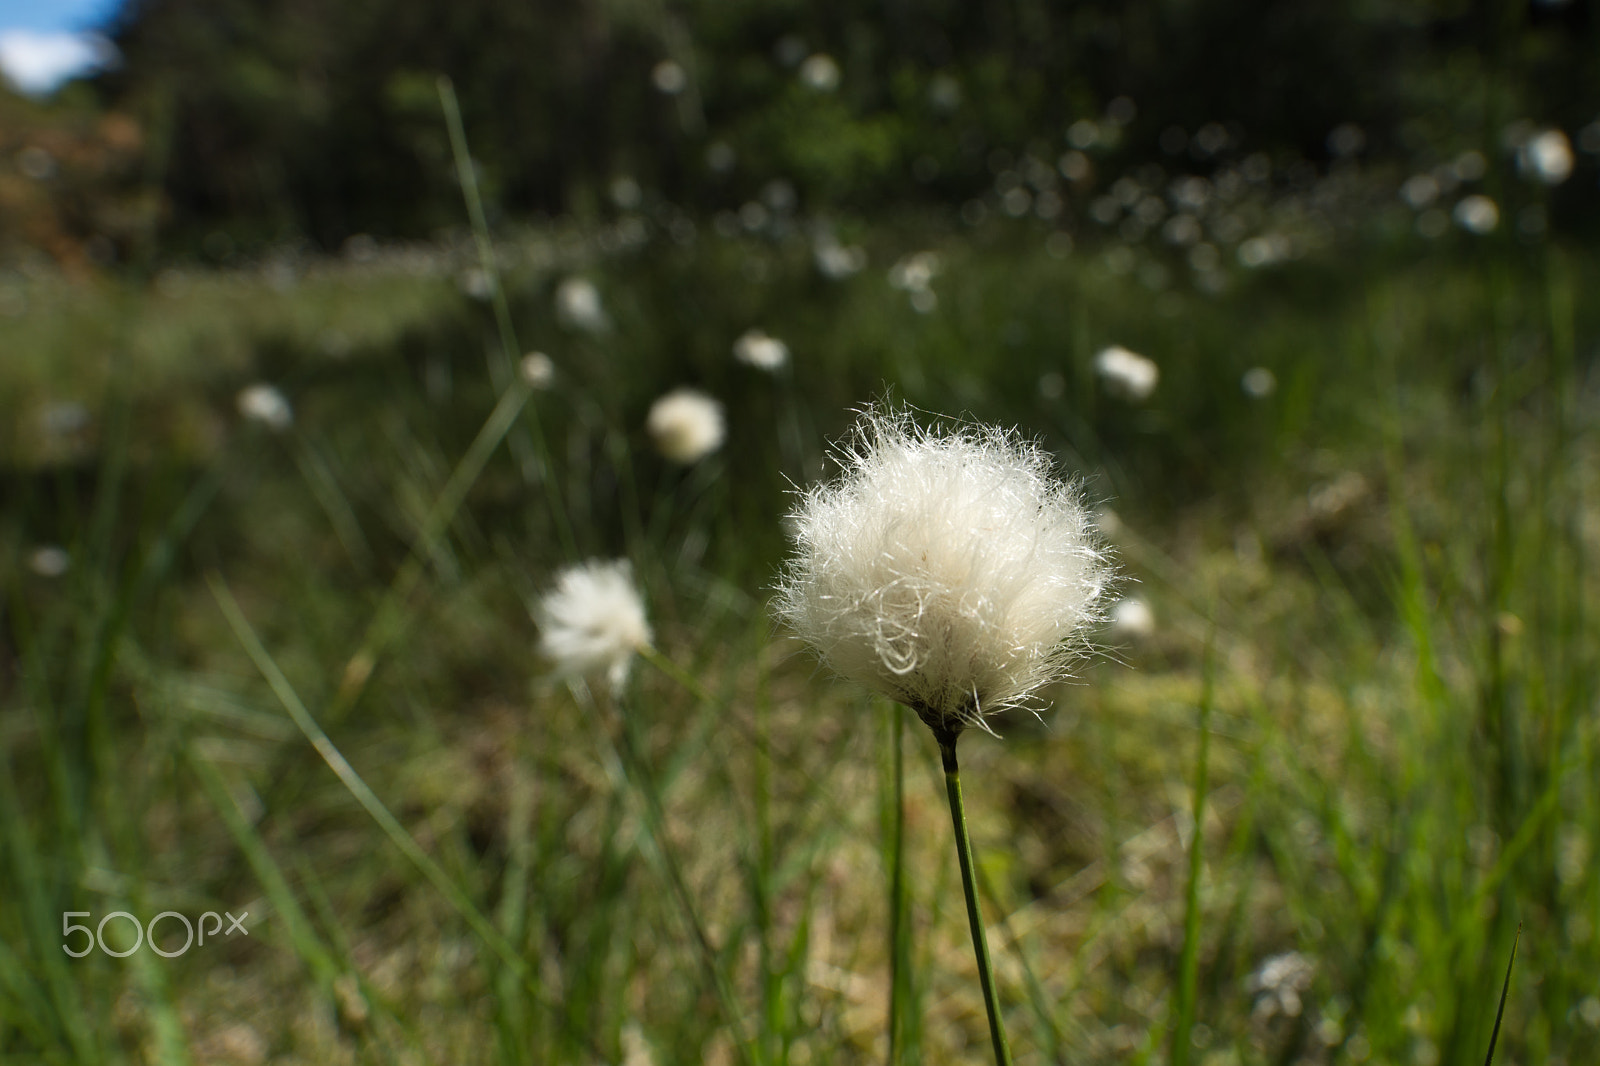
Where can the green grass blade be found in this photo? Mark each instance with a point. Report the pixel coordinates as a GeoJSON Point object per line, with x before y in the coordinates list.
{"type": "Point", "coordinates": [1505, 990]}
{"type": "Point", "coordinates": [1183, 1010]}
{"type": "Point", "coordinates": [358, 788]}
{"type": "Point", "coordinates": [301, 933]}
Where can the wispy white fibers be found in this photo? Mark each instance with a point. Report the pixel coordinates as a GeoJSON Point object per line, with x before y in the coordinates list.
{"type": "Point", "coordinates": [950, 570]}
{"type": "Point", "coordinates": [686, 425]}
{"type": "Point", "coordinates": [592, 620]}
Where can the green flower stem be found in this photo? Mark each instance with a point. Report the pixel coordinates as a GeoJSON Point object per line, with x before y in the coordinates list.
{"type": "Point", "coordinates": [969, 884]}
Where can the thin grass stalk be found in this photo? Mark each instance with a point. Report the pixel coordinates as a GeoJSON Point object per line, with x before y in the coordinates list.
{"type": "Point", "coordinates": [41, 903]}
{"type": "Point", "coordinates": [1189, 960]}
{"type": "Point", "coordinates": [628, 753]}
{"type": "Point", "coordinates": [1505, 990]}
{"type": "Point", "coordinates": [969, 886]}
{"type": "Point", "coordinates": [384, 624]}
{"type": "Point", "coordinates": [688, 681]}
{"type": "Point", "coordinates": [899, 903]}
{"type": "Point", "coordinates": [516, 1034]}
{"type": "Point", "coordinates": [383, 1029]}
{"type": "Point", "coordinates": [467, 177]}
{"type": "Point", "coordinates": [761, 881]}
{"type": "Point", "coordinates": [302, 935]}
{"type": "Point", "coordinates": [502, 370]}
{"type": "Point", "coordinates": [353, 783]}
{"type": "Point", "coordinates": [1038, 998]}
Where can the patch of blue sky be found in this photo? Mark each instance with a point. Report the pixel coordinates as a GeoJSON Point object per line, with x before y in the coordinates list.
{"type": "Point", "coordinates": [43, 43]}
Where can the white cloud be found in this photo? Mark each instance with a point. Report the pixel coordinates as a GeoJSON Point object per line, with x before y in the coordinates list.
{"type": "Point", "coordinates": [38, 62]}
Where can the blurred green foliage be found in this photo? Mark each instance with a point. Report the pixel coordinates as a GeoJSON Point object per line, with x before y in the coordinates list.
{"type": "Point", "coordinates": [290, 119]}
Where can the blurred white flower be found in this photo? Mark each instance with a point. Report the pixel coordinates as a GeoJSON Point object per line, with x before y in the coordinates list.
{"type": "Point", "coordinates": [1259, 382]}
{"type": "Point", "coordinates": [915, 271]}
{"type": "Point", "coordinates": [820, 72]}
{"type": "Point", "coordinates": [538, 370]}
{"type": "Point", "coordinates": [1265, 250]}
{"type": "Point", "coordinates": [265, 404]}
{"type": "Point", "coordinates": [1330, 499]}
{"type": "Point", "coordinates": [625, 193]}
{"type": "Point", "coordinates": [1346, 139]}
{"type": "Point", "coordinates": [578, 305]}
{"type": "Point", "coordinates": [757, 349]}
{"type": "Point", "coordinates": [1083, 134]}
{"type": "Point", "coordinates": [1547, 156]}
{"type": "Point", "coordinates": [836, 261]}
{"type": "Point", "coordinates": [1477, 214]}
{"type": "Point", "coordinates": [686, 425]}
{"type": "Point", "coordinates": [1074, 165]}
{"type": "Point", "coordinates": [668, 77]}
{"type": "Point", "coordinates": [476, 283]}
{"type": "Point", "coordinates": [49, 560]}
{"type": "Point", "coordinates": [1419, 190]}
{"type": "Point", "coordinates": [1127, 373]}
{"type": "Point", "coordinates": [1469, 166]}
{"type": "Point", "coordinates": [949, 570]}
{"type": "Point", "coordinates": [944, 92]}
{"type": "Point", "coordinates": [1280, 983]}
{"type": "Point", "coordinates": [594, 619]}
{"type": "Point", "coordinates": [1132, 617]}
{"type": "Point", "coordinates": [64, 419]}
{"type": "Point", "coordinates": [720, 157]}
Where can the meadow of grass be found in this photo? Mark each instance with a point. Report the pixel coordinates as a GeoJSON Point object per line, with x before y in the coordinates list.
{"type": "Point", "coordinates": [293, 673]}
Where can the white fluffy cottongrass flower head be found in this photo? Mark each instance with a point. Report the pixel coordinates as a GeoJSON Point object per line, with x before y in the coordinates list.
{"type": "Point", "coordinates": [265, 404]}
{"type": "Point", "coordinates": [950, 570]}
{"type": "Point", "coordinates": [593, 620]}
{"type": "Point", "coordinates": [686, 425]}
{"type": "Point", "coordinates": [1127, 373]}
{"type": "Point", "coordinates": [755, 348]}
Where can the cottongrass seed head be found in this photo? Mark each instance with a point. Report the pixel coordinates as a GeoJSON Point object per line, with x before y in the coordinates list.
{"type": "Point", "coordinates": [593, 620]}
{"type": "Point", "coordinates": [686, 425]}
{"type": "Point", "coordinates": [950, 570]}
